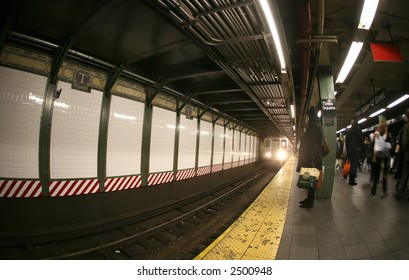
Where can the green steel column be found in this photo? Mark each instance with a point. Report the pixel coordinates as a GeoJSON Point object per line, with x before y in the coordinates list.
{"type": "Point", "coordinates": [197, 144]}
{"type": "Point", "coordinates": [212, 146]}
{"type": "Point", "coordinates": [103, 140]}
{"type": "Point", "coordinates": [329, 126]}
{"type": "Point", "coordinates": [176, 147]}
{"type": "Point", "coordinates": [45, 137]}
{"type": "Point", "coordinates": [146, 142]}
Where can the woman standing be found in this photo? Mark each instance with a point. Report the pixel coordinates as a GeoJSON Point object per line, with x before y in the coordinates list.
{"type": "Point", "coordinates": [310, 151]}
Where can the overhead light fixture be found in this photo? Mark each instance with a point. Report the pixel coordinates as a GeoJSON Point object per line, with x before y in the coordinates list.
{"type": "Point", "coordinates": [335, 93]}
{"type": "Point", "coordinates": [292, 111]}
{"type": "Point", "coordinates": [368, 14]}
{"type": "Point", "coordinates": [377, 112]}
{"type": "Point", "coordinates": [269, 16]}
{"type": "Point", "coordinates": [362, 120]}
{"type": "Point", "coordinates": [319, 114]}
{"type": "Point", "coordinates": [349, 126]}
{"type": "Point", "coordinates": [342, 129]}
{"type": "Point", "coordinates": [396, 102]}
{"type": "Point", "coordinates": [353, 53]}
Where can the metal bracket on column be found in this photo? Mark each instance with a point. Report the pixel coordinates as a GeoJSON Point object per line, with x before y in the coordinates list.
{"type": "Point", "coordinates": [180, 108]}
{"type": "Point", "coordinates": [151, 97]}
{"type": "Point", "coordinates": [58, 60]}
{"type": "Point", "coordinates": [215, 119]}
{"type": "Point", "coordinates": [204, 112]}
{"type": "Point", "coordinates": [112, 78]}
{"type": "Point", "coordinates": [5, 34]}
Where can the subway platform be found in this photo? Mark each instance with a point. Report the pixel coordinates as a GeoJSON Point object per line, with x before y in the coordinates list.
{"type": "Point", "coordinates": [352, 225]}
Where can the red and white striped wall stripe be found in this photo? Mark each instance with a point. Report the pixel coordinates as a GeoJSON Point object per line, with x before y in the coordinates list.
{"type": "Point", "coordinates": [73, 187]}
{"type": "Point", "coordinates": [160, 178]}
{"type": "Point", "coordinates": [20, 189]}
{"type": "Point", "coordinates": [235, 164]}
{"type": "Point", "coordinates": [217, 168]}
{"type": "Point", "coordinates": [227, 165]}
{"type": "Point", "coordinates": [122, 183]}
{"type": "Point", "coordinates": [203, 170]}
{"type": "Point", "coordinates": [185, 174]}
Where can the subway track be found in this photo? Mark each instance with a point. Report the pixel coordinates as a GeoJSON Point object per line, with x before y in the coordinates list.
{"type": "Point", "coordinates": [178, 232]}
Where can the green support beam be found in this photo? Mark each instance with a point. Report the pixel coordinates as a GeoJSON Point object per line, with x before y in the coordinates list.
{"type": "Point", "coordinates": [46, 118]}
{"type": "Point", "coordinates": [103, 124]}
{"type": "Point", "coordinates": [329, 127]}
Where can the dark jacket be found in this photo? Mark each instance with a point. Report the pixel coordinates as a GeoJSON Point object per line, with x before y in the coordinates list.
{"type": "Point", "coordinates": [354, 139]}
{"type": "Point", "coordinates": [310, 146]}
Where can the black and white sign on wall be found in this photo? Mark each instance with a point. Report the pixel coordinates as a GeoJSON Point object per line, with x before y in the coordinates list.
{"type": "Point", "coordinates": [328, 111]}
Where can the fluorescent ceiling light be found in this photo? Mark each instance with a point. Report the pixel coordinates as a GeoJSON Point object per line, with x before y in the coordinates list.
{"type": "Point", "coordinates": [362, 120]}
{"type": "Point", "coordinates": [342, 129]}
{"type": "Point", "coordinates": [368, 14]}
{"type": "Point", "coordinates": [335, 93]}
{"type": "Point", "coordinates": [396, 102]}
{"type": "Point", "coordinates": [349, 126]}
{"type": "Point", "coordinates": [377, 113]}
{"type": "Point", "coordinates": [269, 16]}
{"type": "Point", "coordinates": [353, 53]}
{"type": "Point", "coordinates": [319, 114]}
{"type": "Point", "coordinates": [292, 111]}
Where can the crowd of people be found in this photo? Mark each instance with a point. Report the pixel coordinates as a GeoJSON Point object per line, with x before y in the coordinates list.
{"type": "Point", "coordinates": [379, 154]}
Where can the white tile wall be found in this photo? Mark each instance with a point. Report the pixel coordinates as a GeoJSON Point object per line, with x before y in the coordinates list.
{"type": "Point", "coordinates": [162, 140]}
{"type": "Point", "coordinates": [205, 143]}
{"type": "Point", "coordinates": [229, 144]}
{"type": "Point", "coordinates": [187, 143]}
{"type": "Point", "coordinates": [256, 147]}
{"type": "Point", "coordinates": [218, 144]}
{"type": "Point", "coordinates": [248, 146]}
{"type": "Point", "coordinates": [242, 146]}
{"type": "Point", "coordinates": [124, 137]}
{"type": "Point", "coordinates": [236, 150]}
{"type": "Point", "coordinates": [21, 101]}
{"type": "Point", "coordinates": [74, 133]}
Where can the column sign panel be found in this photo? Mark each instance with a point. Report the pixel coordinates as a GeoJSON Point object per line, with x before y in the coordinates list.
{"type": "Point", "coordinates": [372, 103]}
{"type": "Point", "coordinates": [328, 111]}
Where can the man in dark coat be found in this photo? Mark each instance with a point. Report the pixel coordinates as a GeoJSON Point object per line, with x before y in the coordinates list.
{"type": "Point", "coordinates": [354, 139]}
{"type": "Point", "coordinates": [310, 151]}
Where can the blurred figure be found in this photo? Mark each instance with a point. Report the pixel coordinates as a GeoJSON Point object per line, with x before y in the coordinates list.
{"type": "Point", "coordinates": [354, 140]}
{"type": "Point", "coordinates": [310, 151]}
{"type": "Point", "coordinates": [379, 164]}
{"type": "Point", "coordinates": [404, 157]}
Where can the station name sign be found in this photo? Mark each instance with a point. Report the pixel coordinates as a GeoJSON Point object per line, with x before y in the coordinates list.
{"type": "Point", "coordinates": [379, 97]}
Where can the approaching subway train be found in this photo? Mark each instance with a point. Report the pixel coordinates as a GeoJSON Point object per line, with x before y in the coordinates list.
{"type": "Point", "coordinates": [276, 148]}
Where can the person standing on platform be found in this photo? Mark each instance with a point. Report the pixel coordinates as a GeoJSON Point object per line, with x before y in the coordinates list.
{"type": "Point", "coordinates": [354, 140]}
{"type": "Point", "coordinates": [310, 151]}
{"type": "Point", "coordinates": [404, 157]}
{"type": "Point", "coordinates": [379, 163]}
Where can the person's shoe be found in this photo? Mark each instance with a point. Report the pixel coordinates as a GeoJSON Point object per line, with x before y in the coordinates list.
{"type": "Point", "coordinates": [385, 189]}
{"type": "Point", "coordinates": [352, 183]}
{"type": "Point", "coordinates": [304, 201]}
{"type": "Point", "coordinates": [307, 205]}
{"type": "Point", "coordinates": [372, 192]}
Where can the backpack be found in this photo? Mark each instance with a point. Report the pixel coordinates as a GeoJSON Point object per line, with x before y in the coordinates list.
{"type": "Point", "coordinates": [324, 148]}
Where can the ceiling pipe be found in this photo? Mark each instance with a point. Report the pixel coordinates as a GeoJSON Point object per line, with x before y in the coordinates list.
{"type": "Point", "coordinates": [304, 15]}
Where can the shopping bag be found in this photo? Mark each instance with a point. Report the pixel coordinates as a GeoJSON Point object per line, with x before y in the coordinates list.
{"type": "Point", "coordinates": [310, 178]}
{"type": "Point", "coordinates": [347, 167]}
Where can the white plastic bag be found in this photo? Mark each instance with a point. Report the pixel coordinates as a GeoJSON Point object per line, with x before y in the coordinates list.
{"type": "Point", "coordinates": [382, 148]}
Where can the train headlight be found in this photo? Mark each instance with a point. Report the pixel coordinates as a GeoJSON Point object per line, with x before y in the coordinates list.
{"type": "Point", "coordinates": [267, 154]}
{"type": "Point", "coordinates": [281, 155]}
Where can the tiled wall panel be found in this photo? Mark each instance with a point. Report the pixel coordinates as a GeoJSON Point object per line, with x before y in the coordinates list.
{"type": "Point", "coordinates": [229, 146]}
{"type": "Point", "coordinates": [162, 140]}
{"type": "Point", "coordinates": [21, 101]}
{"type": "Point", "coordinates": [236, 151]}
{"type": "Point", "coordinates": [187, 143]}
{"type": "Point", "coordinates": [124, 137]}
{"type": "Point", "coordinates": [205, 143]}
{"type": "Point", "coordinates": [218, 144]}
{"type": "Point", "coordinates": [74, 133]}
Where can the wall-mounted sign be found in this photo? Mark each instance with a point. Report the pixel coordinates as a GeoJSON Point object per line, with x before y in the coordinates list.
{"type": "Point", "coordinates": [328, 111]}
{"type": "Point", "coordinates": [188, 112]}
{"type": "Point", "coordinates": [372, 103]}
{"type": "Point", "coordinates": [82, 81]}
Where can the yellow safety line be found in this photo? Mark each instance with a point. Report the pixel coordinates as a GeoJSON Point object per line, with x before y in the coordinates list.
{"type": "Point", "coordinates": [257, 232]}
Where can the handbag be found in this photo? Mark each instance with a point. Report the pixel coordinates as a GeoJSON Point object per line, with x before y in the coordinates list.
{"type": "Point", "coordinates": [347, 167]}
{"type": "Point", "coordinates": [310, 178]}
